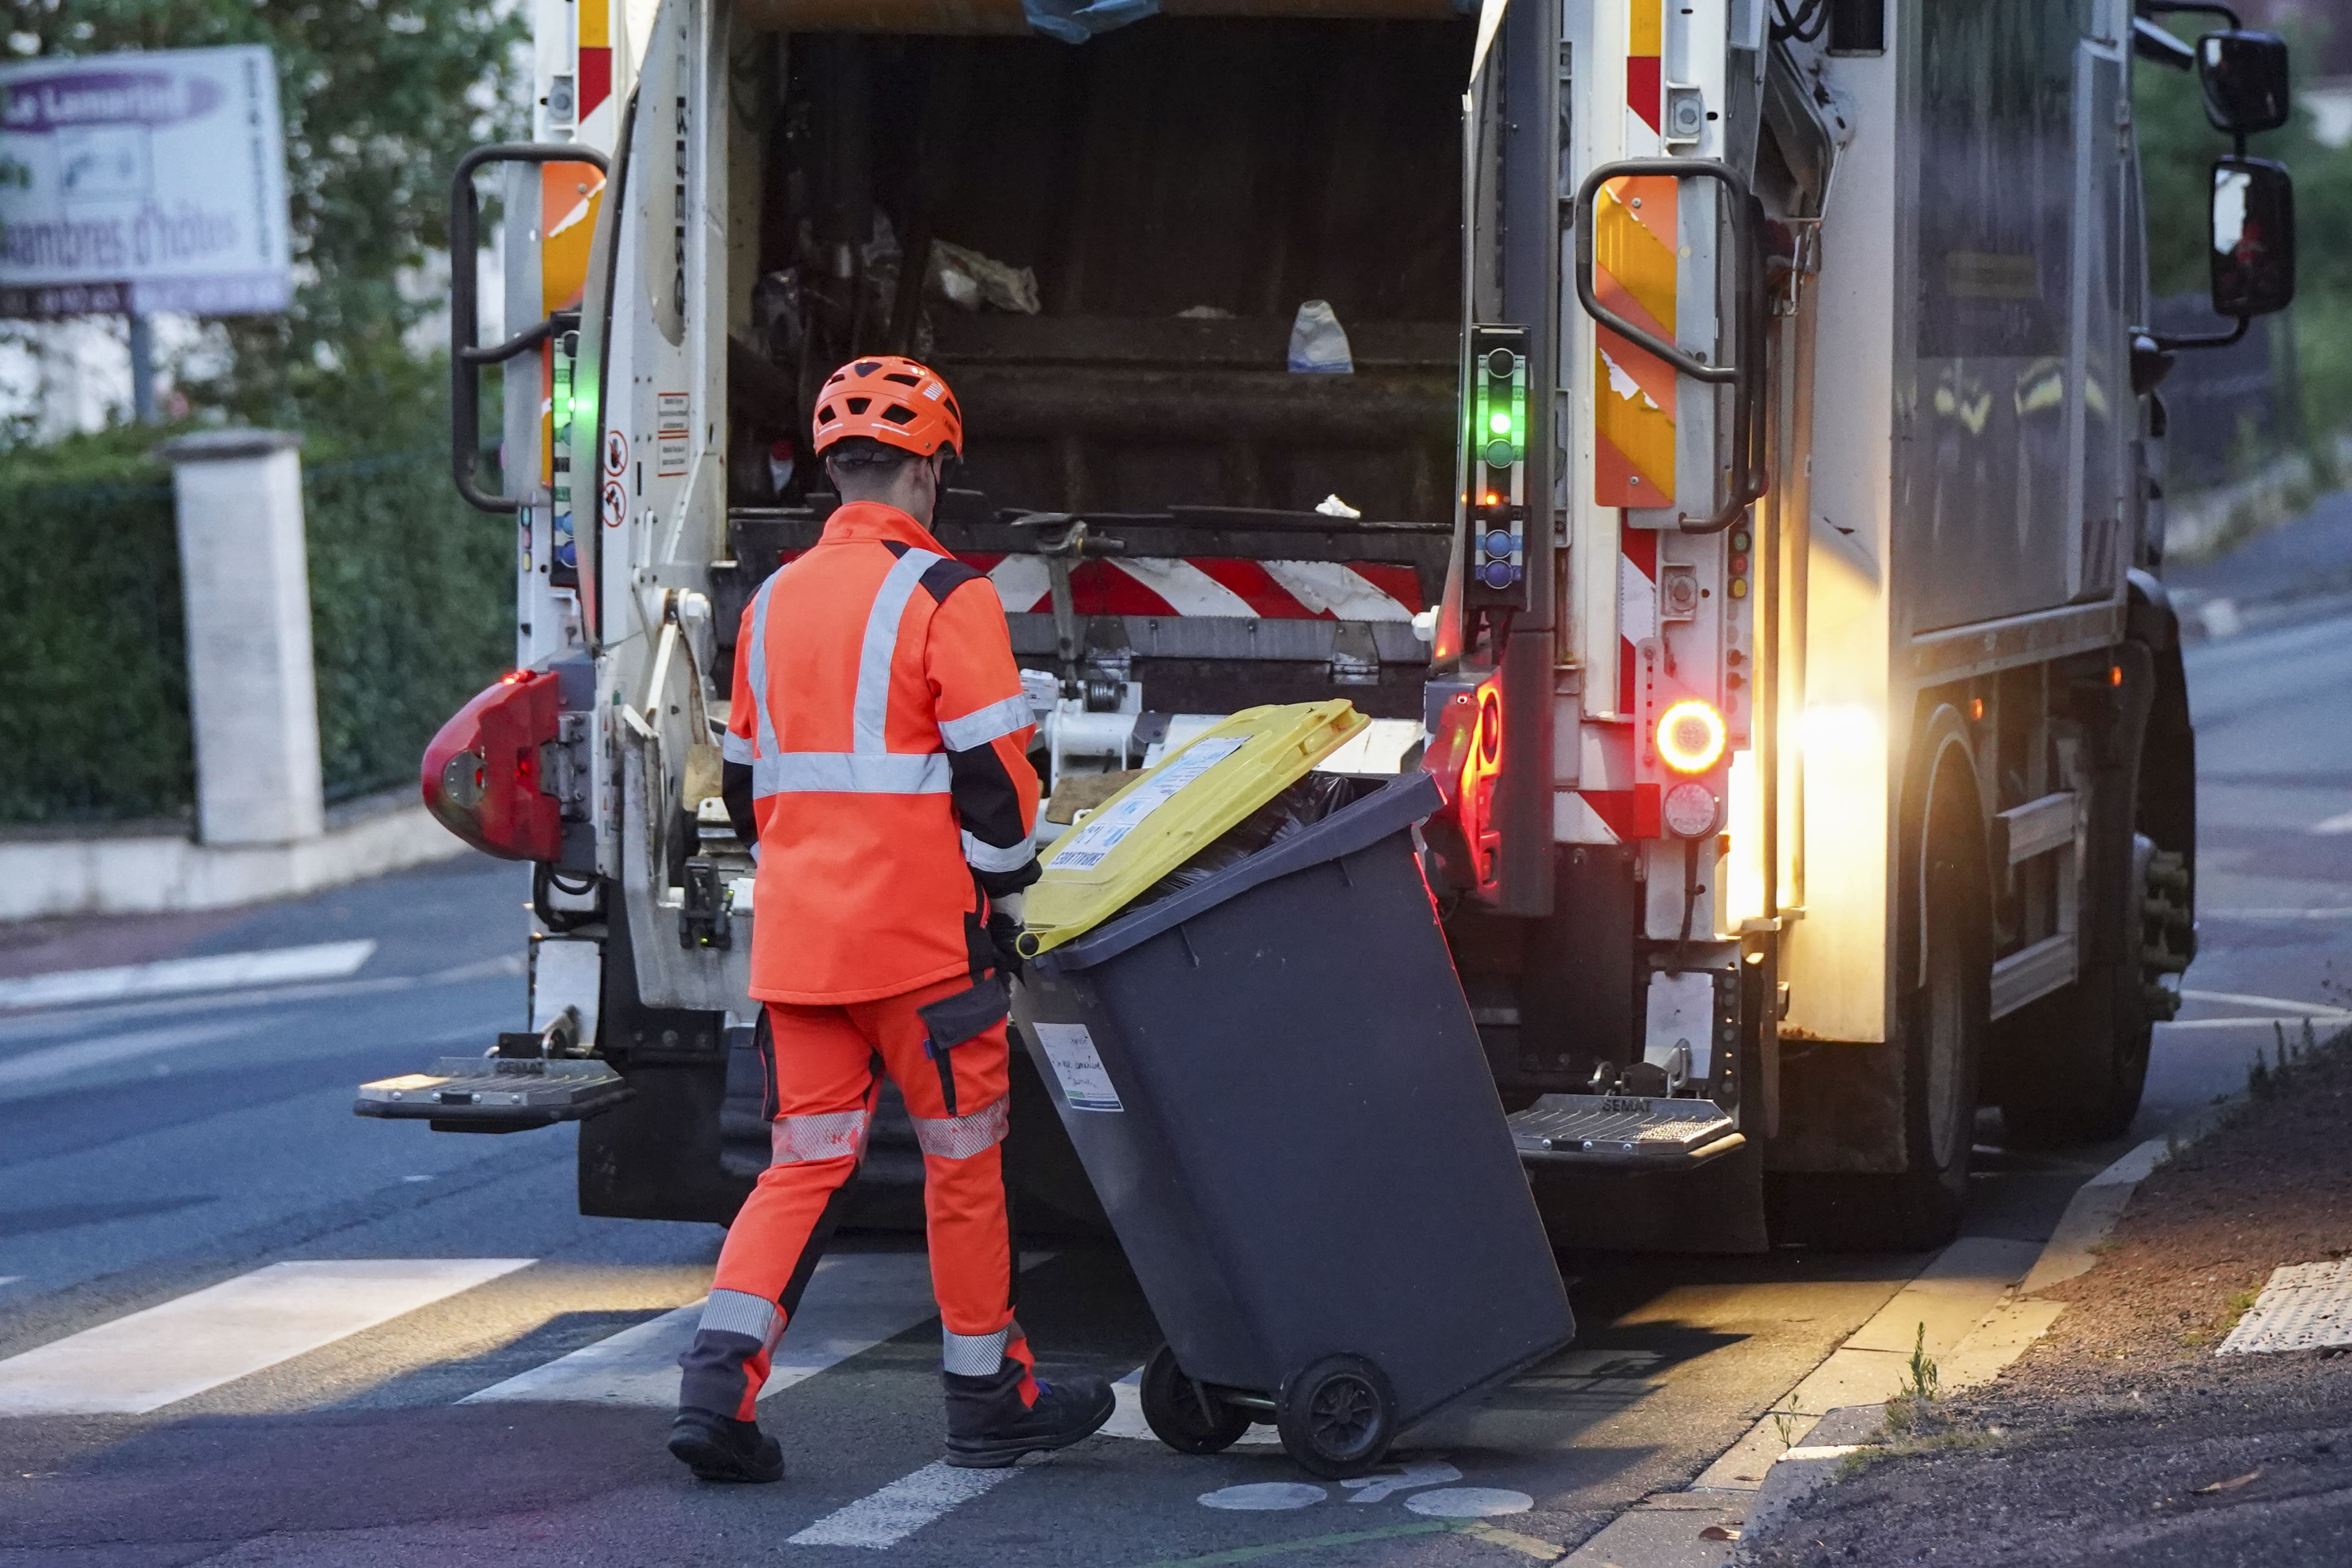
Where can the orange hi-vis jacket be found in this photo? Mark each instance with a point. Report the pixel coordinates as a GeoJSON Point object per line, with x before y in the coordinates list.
{"type": "Point", "coordinates": [878, 707]}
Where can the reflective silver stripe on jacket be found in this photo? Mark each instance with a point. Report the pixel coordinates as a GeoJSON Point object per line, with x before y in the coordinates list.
{"type": "Point", "coordinates": [739, 1312]}
{"type": "Point", "coordinates": [973, 1355]}
{"type": "Point", "coordinates": [836, 1135]}
{"type": "Point", "coordinates": [851, 772]}
{"type": "Point", "coordinates": [734, 747]}
{"type": "Point", "coordinates": [961, 1137]}
{"type": "Point", "coordinates": [764, 728]}
{"type": "Point", "coordinates": [870, 767]}
{"type": "Point", "coordinates": [985, 856]}
{"type": "Point", "coordinates": [981, 727]}
{"type": "Point", "coordinates": [880, 651]}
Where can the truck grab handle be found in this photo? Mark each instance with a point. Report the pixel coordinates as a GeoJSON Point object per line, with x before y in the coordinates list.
{"type": "Point", "coordinates": [1745, 375]}
{"type": "Point", "coordinates": [465, 360]}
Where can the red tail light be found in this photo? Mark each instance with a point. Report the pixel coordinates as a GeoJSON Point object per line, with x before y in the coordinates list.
{"type": "Point", "coordinates": [1465, 755]}
{"type": "Point", "coordinates": [481, 773]}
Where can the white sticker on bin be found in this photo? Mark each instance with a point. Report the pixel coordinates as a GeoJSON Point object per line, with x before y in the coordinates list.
{"type": "Point", "coordinates": [1077, 1067]}
{"type": "Point", "coordinates": [1104, 830]}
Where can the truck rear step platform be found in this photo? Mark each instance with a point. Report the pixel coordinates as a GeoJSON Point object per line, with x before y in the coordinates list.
{"type": "Point", "coordinates": [496, 1094]}
{"type": "Point", "coordinates": [1623, 1131]}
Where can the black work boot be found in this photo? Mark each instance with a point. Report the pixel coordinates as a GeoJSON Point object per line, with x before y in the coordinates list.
{"type": "Point", "coordinates": [989, 1427]}
{"type": "Point", "coordinates": [719, 1449]}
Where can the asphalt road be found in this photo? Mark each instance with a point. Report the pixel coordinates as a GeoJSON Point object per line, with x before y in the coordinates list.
{"type": "Point", "coordinates": [329, 1341]}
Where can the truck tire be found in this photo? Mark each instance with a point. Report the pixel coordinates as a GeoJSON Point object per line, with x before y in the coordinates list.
{"type": "Point", "coordinates": [1946, 1020]}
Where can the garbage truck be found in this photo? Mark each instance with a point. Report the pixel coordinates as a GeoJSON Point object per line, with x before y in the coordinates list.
{"type": "Point", "coordinates": [1721, 442]}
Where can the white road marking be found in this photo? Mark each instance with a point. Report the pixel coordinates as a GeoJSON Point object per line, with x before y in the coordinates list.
{"type": "Point", "coordinates": [854, 1302]}
{"type": "Point", "coordinates": [2341, 823]}
{"type": "Point", "coordinates": [2336, 914]}
{"type": "Point", "coordinates": [323, 961]}
{"type": "Point", "coordinates": [58, 1061]}
{"type": "Point", "coordinates": [229, 1330]}
{"type": "Point", "coordinates": [881, 1519]}
{"type": "Point", "coordinates": [1264, 1497]}
{"type": "Point", "coordinates": [2282, 1003]}
{"type": "Point", "coordinates": [1469, 1502]}
{"type": "Point", "coordinates": [1379, 1487]}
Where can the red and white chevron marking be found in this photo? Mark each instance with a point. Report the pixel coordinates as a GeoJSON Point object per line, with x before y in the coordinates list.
{"type": "Point", "coordinates": [1613, 809]}
{"type": "Point", "coordinates": [1207, 585]}
{"type": "Point", "coordinates": [1211, 585]}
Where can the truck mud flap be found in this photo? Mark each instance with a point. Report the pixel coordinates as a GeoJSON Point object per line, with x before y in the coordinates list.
{"type": "Point", "coordinates": [496, 1094]}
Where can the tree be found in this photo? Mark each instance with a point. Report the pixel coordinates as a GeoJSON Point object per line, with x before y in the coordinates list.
{"type": "Point", "coordinates": [380, 98]}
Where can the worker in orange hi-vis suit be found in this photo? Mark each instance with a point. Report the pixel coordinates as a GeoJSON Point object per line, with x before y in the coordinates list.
{"type": "Point", "coordinates": [877, 756]}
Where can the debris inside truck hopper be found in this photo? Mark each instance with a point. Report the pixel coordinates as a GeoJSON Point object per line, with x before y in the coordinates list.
{"type": "Point", "coordinates": [1081, 793]}
{"type": "Point", "coordinates": [966, 279]}
{"type": "Point", "coordinates": [1300, 804]}
{"type": "Point", "coordinates": [1318, 345]}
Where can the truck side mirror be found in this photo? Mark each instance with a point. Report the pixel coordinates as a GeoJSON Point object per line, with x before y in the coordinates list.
{"type": "Point", "coordinates": [2245, 82]}
{"type": "Point", "coordinates": [2253, 237]}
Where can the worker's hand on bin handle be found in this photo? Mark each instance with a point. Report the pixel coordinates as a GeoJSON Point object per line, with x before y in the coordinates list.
{"type": "Point", "coordinates": [1004, 933]}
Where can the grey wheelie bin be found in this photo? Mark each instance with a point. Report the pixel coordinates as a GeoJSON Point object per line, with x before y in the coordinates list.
{"type": "Point", "coordinates": [1274, 1081]}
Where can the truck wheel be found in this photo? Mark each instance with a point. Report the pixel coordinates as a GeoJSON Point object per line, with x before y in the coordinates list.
{"type": "Point", "coordinates": [1184, 1415]}
{"type": "Point", "coordinates": [1338, 1417]}
{"type": "Point", "coordinates": [1945, 1024]}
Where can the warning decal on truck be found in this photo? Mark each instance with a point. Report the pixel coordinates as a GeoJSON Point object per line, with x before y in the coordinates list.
{"type": "Point", "coordinates": [1070, 1051]}
{"type": "Point", "coordinates": [1106, 828]}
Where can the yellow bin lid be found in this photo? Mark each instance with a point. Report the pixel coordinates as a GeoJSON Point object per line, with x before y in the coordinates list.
{"type": "Point", "coordinates": [1167, 816]}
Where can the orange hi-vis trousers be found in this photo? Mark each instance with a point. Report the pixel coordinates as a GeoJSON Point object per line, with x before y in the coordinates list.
{"type": "Point", "coordinates": [823, 1084]}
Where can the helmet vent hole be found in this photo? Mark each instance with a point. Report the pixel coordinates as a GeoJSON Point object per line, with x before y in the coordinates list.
{"type": "Point", "coordinates": [903, 379]}
{"type": "Point", "coordinates": [826, 416]}
{"type": "Point", "coordinates": [899, 414]}
{"type": "Point", "coordinates": [858, 405]}
{"type": "Point", "coordinates": [953, 411]}
{"type": "Point", "coordinates": [868, 366]}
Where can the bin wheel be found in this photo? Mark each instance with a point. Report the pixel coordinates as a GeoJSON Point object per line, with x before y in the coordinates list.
{"type": "Point", "coordinates": [1337, 1418]}
{"type": "Point", "coordinates": [1183, 1414]}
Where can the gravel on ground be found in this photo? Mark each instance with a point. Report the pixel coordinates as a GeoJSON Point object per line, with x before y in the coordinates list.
{"type": "Point", "coordinates": [2120, 1438]}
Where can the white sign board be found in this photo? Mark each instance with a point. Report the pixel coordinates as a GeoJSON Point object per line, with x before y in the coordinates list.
{"type": "Point", "coordinates": [138, 182]}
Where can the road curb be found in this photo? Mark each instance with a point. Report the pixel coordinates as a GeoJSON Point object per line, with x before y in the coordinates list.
{"type": "Point", "coordinates": [2091, 1216]}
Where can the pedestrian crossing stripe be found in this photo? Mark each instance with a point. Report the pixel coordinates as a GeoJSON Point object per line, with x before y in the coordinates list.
{"type": "Point", "coordinates": [854, 1302]}
{"type": "Point", "coordinates": [882, 1519]}
{"type": "Point", "coordinates": [179, 1349]}
{"type": "Point", "coordinates": [184, 1347]}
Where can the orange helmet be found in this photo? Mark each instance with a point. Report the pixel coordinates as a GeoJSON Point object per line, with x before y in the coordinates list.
{"type": "Point", "coordinates": [889, 399]}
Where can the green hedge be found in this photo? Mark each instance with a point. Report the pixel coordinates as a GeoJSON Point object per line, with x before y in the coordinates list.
{"type": "Point", "coordinates": [93, 683]}
{"type": "Point", "coordinates": [411, 612]}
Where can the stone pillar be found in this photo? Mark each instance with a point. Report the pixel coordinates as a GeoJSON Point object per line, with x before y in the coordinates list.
{"type": "Point", "coordinates": [251, 691]}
